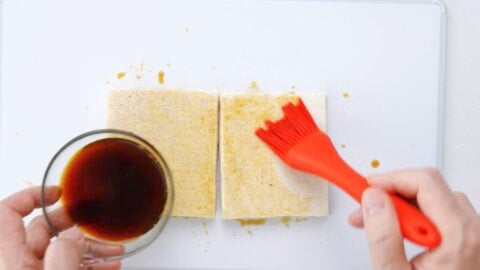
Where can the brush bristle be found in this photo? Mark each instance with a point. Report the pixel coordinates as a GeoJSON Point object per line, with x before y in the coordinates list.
{"type": "Point", "coordinates": [285, 133]}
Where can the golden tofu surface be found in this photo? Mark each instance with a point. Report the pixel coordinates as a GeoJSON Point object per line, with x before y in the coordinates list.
{"type": "Point", "coordinates": [256, 183]}
{"type": "Point", "coordinates": [183, 126]}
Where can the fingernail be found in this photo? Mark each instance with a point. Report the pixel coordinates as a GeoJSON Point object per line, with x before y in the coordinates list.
{"type": "Point", "coordinates": [373, 201]}
{"type": "Point", "coordinates": [73, 233]}
{"type": "Point", "coordinates": [56, 190]}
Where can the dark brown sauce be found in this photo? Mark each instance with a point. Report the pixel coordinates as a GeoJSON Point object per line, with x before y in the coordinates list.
{"type": "Point", "coordinates": [114, 189]}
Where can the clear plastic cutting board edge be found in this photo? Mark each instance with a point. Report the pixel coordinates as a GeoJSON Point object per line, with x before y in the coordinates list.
{"type": "Point", "coordinates": [59, 58]}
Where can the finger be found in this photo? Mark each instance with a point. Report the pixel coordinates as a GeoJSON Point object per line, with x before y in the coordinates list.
{"type": "Point", "coordinates": [356, 218]}
{"type": "Point", "coordinates": [25, 201]}
{"type": "Point", "coordinates": [421, 261]}
{"type": "Point", "coordinates": [383, 231]}
{"type": "Point", "coordinates": [39, 232]}
{"type": "Point", "coordinates": [433, 195]}
{"type": "Point", "coordinates": [112, 265]}
{"type": "Point", "coordinates": [99, 250]}
{"type": "Point", "coordinates": [18, 205]}
{"type": "Point", "coordinates": [464, 203]}
{"type": "Point", "coordinates": [66, 252]}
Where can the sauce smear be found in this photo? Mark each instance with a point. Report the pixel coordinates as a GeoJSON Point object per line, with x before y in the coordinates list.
{"type": "Point", "coordinates": [114, 190]}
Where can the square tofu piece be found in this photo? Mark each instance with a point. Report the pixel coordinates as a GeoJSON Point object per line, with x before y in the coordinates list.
{"type": "Point", "coordinates": [255, 182]}
{"type": "Point", "coordinates": [183, 127]}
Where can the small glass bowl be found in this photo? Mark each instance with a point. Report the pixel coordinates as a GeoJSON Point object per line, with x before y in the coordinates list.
{"type": "Point", "coordinates": [53, 176]}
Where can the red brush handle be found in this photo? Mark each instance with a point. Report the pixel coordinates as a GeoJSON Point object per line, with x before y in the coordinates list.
{"type": "Point", "coordinates": [414, 225]}
{"type": "Point", "coordinates": [316, 154]}
{"type": "Point", "coordinates": [299, 142]}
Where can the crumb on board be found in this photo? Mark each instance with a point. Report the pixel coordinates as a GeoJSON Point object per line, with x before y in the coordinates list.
{"type": "Point", "coordinates": [345, 95]}
{"type": "Point", "coordinates": [120, 75]}
{"type": "Point", "coordinates": [139, 71]}
{"type": "Point", "coordinates": [205, 229]}
{"type": "Point", "coordinates": [194, 233]}
{"type": "Point", "coordinates": [293, 87]}
{"type": "Point", "coordinates": [253, 86]}
{"type": "Point", "coordinates": [186, 29]}
{"type": "Point", "coordinates": [250, 232]}
{"type": "Point", "coordinates": [251, 222]}
{"type": "Point", "coordinates": [299, 219]}
{"type": "Point", "coordinates": [167, 65]}
{"type": "Point", "coordinates": [161, 77]}
{"type": "Point", "coordinates": [28, 183]}
{"type": "Point", "coordinates": [285, 221]}
{"type": "Point", "coordinates": [343, 145]}
{"type": "Point", "coordinates": [375, 163]}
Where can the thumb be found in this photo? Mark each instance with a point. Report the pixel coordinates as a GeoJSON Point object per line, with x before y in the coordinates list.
{"type": "Point", "coordinates": [383, 232]}
{"type": "Point", "coordinates": [66, 252]}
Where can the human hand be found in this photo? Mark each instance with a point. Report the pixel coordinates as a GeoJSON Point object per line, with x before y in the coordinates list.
{"type": "Point", "coordinates": [30, 247]}
{"type": "Point", "coordinates": [452, 213]}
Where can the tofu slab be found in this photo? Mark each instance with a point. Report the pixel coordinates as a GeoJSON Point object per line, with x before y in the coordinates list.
{"type": "Point", "coordinates": [256, 183]}
{"type": "Point", "coordinates": [183, 127]}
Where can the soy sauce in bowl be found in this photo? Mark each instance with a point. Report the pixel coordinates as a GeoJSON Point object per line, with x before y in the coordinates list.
{"type": "Point", "coordinates": [113, 189]}
{"type": "Point", "coordinates": [116, 187]}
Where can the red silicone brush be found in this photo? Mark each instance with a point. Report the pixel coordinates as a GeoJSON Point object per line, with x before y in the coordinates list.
{"type": "Point", "coordinates": [298, 141]}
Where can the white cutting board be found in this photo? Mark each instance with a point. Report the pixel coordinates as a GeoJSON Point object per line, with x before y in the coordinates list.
{"type": "Point", "coordinates": [60, 57]}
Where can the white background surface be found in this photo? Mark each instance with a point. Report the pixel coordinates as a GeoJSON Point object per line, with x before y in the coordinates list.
{"type": "Point", "coordinates": [462, 133]}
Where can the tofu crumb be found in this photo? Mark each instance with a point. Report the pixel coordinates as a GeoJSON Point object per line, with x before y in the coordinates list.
{"type": "Point", "coordinates": [253, 86]}
{"type": "Point", "coordinates": [285, 221]}
{"type": "Point", "coordinates": [205, 228]}
{"type": "Point", "coordinates": [139, 71]}
{"type": "Point", "coordinates": [249, 222]}
{"type": "Point", "coordinates": [161, 77]}
{"type": "Point", "coordinates": [120, 75]}
{"type": "Point", "coordinates": [28, 183]}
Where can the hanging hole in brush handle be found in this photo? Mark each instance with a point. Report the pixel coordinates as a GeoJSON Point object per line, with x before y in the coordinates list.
{"type": "Point", "coordinates": [414, 225]}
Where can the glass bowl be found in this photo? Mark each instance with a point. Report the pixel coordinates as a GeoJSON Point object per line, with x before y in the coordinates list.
{"type": "Point", "coordinates": [55, 173]}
